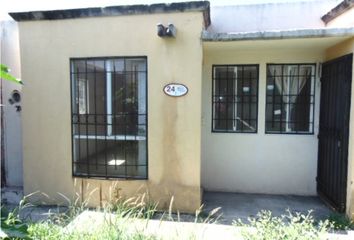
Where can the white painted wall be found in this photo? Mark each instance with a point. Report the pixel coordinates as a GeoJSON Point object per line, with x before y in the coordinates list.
{"type": "Point", "coordinates": [258, 163]}
{"type": "Point", "coordinates": [271, 16]}
{"type": "Point", "coordinates": [10, 56]}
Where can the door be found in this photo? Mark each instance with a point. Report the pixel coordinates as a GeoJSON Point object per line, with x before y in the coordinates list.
{"type": "Point", "coordinates": [334, 131]}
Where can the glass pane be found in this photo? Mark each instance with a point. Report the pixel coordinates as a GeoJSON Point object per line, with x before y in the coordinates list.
{"type": "Point", "coordinates": [289, 95]}
{"type": "Point", "coordinates": [98, 93]}
{"type": "Point", "coordinates": [109, 117]}
{"type": "Point", "coordinates": [301, 109]}
{"type": "Point", "coordinates": [78, 66]}
{"type": "Point", "coordinates": [134, 65]}
{"type": "Point", "coordinates": [220, 73]}
{"type": "Point", "coordinates": [250, 72]}
{"type": "Point", "coordinates": [235, 89]}
{"type": "Point", "coordinates": [95, 66]}
{"type": "Point", "coordinates": [119, 65]}
{"type": "Point", "coordinates": [82, 92]}
{"type": "Point", "coordinates": [290, 70]}
{"type": "Point", "coordinates": [274, 70]}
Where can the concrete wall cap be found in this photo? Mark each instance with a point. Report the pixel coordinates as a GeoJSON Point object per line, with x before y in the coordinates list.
{"type": "Point", "coordinates": [338, 10]}
{"type": "Point", "coordinates": [269, 35]}
{"type": "Point", "coordinates": [193, 6]}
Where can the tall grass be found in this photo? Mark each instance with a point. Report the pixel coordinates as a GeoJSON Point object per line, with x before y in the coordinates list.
{"type": "Point", "coordinates": [290, 227]}
{"type": "Point", "coordinates": [115, 225]}
{"type": "Point", "coordinates": [119, 215]}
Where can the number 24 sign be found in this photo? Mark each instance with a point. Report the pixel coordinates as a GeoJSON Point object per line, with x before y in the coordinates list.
{"type": "Point", "coordinates": [175, 89]}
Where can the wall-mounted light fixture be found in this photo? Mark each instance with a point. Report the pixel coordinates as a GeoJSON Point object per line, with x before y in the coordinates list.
{"type": "Point", "coordinates": [169, 31]}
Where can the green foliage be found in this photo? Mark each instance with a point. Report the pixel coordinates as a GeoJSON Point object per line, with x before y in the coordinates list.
{"type": "Point", "coordinates": [55, 227]}
{"type": "Point", "coordinates": [113, 228]}
{"type": "Point", "coordinates": [5, 74]}
{"type": "Point", "coordinates": [109, 231]}
{"type": "Point", "coordinates": [341, 222]}
{"type": "Point", "coordinates": [289, 227]}
{"type": "Point", "coordinates": [45, 230]}
{"type": "Point", "coordinates": [11, 224]}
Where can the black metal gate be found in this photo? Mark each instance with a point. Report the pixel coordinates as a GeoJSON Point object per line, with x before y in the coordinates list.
{"type": "Point", "coordinates": [334, 131]}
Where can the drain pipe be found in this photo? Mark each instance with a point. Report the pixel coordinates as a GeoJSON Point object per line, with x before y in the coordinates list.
{"type": "Point", "coordinates": [2, 127]}
{"type": "Point", "coordinates": [3, 177]}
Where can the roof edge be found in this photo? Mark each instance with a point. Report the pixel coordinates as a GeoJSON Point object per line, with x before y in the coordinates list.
{"type": "Point", "coordinates": [274, 35]}
{"type": "Point", "coordinates": [203, 6]}
{"type": "Point", "coordinates": [337, 10]}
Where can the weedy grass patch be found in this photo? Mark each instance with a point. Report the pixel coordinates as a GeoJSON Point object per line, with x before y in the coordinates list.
{"type": "Point", "coordinates": [341, 222]}
{"type": "Point", "coordinates": [122, 212]}
{"type": "Point", "coordinates": [291, 226]}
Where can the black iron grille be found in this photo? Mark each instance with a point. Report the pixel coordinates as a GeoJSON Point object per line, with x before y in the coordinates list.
{"type": "Point", "coordinates": [235, 98]}
{"type": "Point", "coordinates": [109, 117]}
{"type": "Point", "coordinates": [290, 98]}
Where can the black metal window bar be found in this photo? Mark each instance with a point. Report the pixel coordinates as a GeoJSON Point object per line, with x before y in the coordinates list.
{"type": "Point", "coordinates": [235, 98]}
{"type": "Point", "coordinates": [290, 98]}
{"type": "Point", "coordinates": [109, 117]}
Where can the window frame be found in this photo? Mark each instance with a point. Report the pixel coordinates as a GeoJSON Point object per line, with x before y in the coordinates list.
{"type": "Point", "coordinates": [87, 176]}
{"type": "Point", "coordinates": [312, 124]}
{"type": "Point", "coordinates": [212, 97]}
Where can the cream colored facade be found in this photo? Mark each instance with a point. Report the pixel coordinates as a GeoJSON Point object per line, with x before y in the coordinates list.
{"type": "Point", "coordinates": [261, 163]}
{"type": "Point", "coordinates": [173, 123]}
{"type": "Point", "coordinates": [184, 155]}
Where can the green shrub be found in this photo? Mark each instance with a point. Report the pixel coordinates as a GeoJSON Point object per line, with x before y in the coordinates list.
{"type": "Point", "coordinates": [289, 227]}
{"type": "Point", "coordinates": [11, 224]}
{"type": "Point", "coordinates": [50, 231]}
{"type": "Point", "coordinates": [341, 222]}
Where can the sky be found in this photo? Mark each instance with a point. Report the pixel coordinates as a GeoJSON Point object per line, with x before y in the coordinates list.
{"type": "Point", "coordinates": [32, 5]}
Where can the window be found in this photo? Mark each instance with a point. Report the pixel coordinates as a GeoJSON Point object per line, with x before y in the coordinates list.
{"type": "Point", "coordinates": [109, 117]}
{"type": "Point", "coordinates": [235, 98]}
{"type": "Point", "coordinates": [290, 98]}
{"type": "Point", "coordinates": [81, 91]}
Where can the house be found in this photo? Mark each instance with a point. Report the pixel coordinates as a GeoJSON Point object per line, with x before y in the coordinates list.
{"type": "Point", "coordinates": [173, 99]}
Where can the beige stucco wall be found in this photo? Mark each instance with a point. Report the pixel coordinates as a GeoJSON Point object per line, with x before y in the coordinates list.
{"type": "Point", "coordinates": [259, 163]}
{"type": "Point", "coordinates": [339, 50]}
{"type": "Point", "coordinates": [173, 123]}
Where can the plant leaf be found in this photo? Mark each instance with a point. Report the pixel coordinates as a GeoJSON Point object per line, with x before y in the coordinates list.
{"type": "Point", "coordinates": [5, 75]}
{"type": "Point", "coordinates": [4, 68]}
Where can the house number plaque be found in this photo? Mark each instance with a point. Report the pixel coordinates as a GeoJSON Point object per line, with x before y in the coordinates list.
{"type": "Point", "coordinates": [175, 90]}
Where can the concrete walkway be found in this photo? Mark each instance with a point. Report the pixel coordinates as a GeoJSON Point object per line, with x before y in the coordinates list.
{"type": "Point", "coordinates": [242, 205]}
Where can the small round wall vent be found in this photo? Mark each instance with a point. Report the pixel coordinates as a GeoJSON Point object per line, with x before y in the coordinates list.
{"type": "Point", "coordinates": [15, 97]}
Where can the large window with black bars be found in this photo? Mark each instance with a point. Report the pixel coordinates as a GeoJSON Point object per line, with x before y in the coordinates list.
{"type": "Point", "coordinates": [235, 98]}
{"type": "Point", "coordinates": [109, 117]}
{"type": "Point", "coordinates": [290, 98]}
